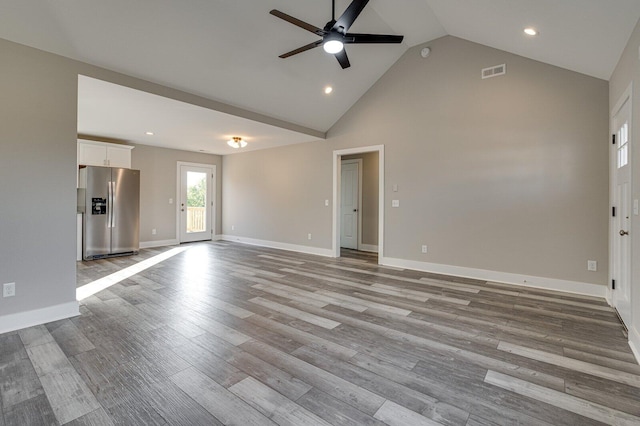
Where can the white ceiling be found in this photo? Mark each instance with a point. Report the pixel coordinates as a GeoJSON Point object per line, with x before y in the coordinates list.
{"type": "Point", "coordinates": [106, 110]}
{"type": "Point", "coordinates": [228, 51]}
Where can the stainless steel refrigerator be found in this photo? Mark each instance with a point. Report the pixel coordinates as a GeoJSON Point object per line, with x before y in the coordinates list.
{"type": "Point", "coordinates": [110, 200]}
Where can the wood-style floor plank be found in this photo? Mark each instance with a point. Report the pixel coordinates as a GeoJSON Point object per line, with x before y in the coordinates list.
{"type": "Point", "coordinates": [225, 406]}
{"type": "Point", "coordinates": [225, 333]}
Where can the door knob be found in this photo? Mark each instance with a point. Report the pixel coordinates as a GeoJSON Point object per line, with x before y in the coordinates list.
{"type": "Point", "coordinates": [355, 210]}
{"type": "Point", "coordinates": [623, 233]}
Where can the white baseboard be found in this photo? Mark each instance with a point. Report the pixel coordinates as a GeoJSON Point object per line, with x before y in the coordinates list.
{"type": "Point", "coordinates": [159, 243]}
{"type": "Point", "coordinates": [278, 245]}
{"type": "Point", "coordinates": [634, 343]}
{"type": "Point", "coordinates": [368, 247]}
{"type": "Point", "coordinates": [501, 277]}
{"type": "Point", "coordinates": [26, 319]}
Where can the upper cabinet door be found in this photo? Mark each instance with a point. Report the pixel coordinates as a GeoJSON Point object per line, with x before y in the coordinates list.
{"type": "Point", "coordinates": [92, 155]}
{"type": "Point", "coordinates": [119, 156]}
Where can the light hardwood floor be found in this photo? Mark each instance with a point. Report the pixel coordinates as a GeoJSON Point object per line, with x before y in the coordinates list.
{"type": "Point", "coordinates": [224, 333]}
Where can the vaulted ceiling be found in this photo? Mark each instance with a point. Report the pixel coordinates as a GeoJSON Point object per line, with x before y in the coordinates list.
{"type": "Point", "coordinates": [228, 50]}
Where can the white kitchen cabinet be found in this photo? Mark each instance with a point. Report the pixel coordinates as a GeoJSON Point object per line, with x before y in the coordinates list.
{"type": "Point", "coordinates": [92, 153]}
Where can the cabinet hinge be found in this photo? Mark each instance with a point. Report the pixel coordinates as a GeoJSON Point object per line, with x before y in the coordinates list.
{"type": "Point", "coordinates": [613, 284]}
{"type": "Point", "coordinates": [613, 139]}
{"type": "Point", "coordinates": [613, 211]}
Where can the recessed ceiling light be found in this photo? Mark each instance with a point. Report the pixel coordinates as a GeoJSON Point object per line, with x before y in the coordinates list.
{"type": "Point", "coordinates": [328, 89]}
{"type": "Point", "coordinates": [148, 133]}
{"type": "Point", "coordinates": [530, 31]}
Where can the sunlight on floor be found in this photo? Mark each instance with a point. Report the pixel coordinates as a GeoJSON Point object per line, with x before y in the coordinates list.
{"type": "Point", "coordinates": [106, 282]}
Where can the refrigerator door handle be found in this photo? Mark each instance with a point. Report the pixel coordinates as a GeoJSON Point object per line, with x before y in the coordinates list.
{"type": "Point", "coordinates": [113, 199]}
{"type": "Point", "coordinates": [109, 204]}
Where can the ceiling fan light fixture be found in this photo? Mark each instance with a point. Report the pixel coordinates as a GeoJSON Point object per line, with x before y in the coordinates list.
{"type": "Point", "coordinates": [333, 46]}
{"type": "Point", "coordinates": [236, 142]}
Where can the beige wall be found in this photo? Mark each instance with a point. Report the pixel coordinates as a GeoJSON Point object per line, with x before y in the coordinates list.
{"type": "Point", "coordinates": [158, 184]}
{"type": "Point", "coordinates": [370, 196]}
{"type": "Point", "coordinates": [628, 72]}
{"type": "Point", "coordinates": [507, 174]}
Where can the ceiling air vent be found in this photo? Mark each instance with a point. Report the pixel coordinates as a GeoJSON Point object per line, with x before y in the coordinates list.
{"type": "Point", "coordinates": [494, 71]}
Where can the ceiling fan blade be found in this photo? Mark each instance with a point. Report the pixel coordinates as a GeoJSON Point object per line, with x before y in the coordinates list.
{"type": "Point", "coordinates": [297, 22]}
{"type": "Point", "coordinates": [349, 16]}
{"type": "Point", "coordinates": [372, 38]}
{"type": "Point", "coordinates": [302, 49]}
{"type": "Point", "coordinates": [342, 58]}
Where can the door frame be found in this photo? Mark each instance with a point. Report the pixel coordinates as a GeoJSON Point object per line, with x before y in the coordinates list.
{"type": "Point", "coordinates": [337, 171]}
{"type": "Point", "coordinates": [212, 192]}
{"type": "Point", "coordinates": [627, 96]}
{"type": "Point", "coordinates": [360, 163]}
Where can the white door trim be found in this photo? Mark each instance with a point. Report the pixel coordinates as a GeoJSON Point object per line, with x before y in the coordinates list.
{"type": "Point", "coordinates": [213, 206]}
{"type": "Point", "coordinates": [337, 167]}
{"type": "Point", "coordinates": [360, 164]}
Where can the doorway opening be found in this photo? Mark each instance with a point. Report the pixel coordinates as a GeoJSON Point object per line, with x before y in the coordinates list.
{"type": "Point", "coordinates": [358, 200]}
{"type": "Point", "coordinates": [195, 207]}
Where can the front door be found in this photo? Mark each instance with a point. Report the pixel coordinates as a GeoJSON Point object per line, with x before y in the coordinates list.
{"type": "Point", "coordinates": [349, 205]}
{"type": "Point", "coordinates": [622, 221]}
{"type": "Point", "coordinates": [195, 202]}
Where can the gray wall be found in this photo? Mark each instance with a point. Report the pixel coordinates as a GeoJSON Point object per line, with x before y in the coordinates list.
{"type": "Point", "coordinates": [38, 178]}
{"type": "Point", "coordinates": [38, 145]}
{"type": "Point", "coordinates": [627, 72]}
{"type": "Point", "coordinates": [507, 174]}
{"type": "Point", "coordinates": [370, 196]}
{"type": "Point", "coordinates": [158, 184]}
{"type": "Point", "coordinates": [278, 194]}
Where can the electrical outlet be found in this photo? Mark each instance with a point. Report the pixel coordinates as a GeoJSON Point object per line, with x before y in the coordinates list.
{"type": "Point", "coordinates": [233, 227]}
{"type": "Point", "coordinates": [308, 236]}
{"type": "Point", "coordinates": [170, 200]}
{"type": "Point", "coordinates": [326, 203]}
{"type": "Point", "coordinates": [395, 203]}
{"type": "Point", "coordinates": [153, 231]}
{"type": "Point", "coordinates": [592, 265]}
{"type": "Point", "coordinates": [424, 249]}
{"type": "Point", "coordinates": [8, 289]}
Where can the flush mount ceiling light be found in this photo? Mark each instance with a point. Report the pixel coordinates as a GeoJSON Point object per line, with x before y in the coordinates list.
{"type": "Point", "coordinates": [530, 31]}
{"type": "Point", "coordinates": [236, 142]}
{"type": "Point", "coordinates": [328, 90]}
{"type": "Point", "coordinates": [148, 133]}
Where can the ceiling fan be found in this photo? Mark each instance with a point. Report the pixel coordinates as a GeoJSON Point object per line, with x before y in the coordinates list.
{"type": "Point", "coordinates": [334, 34]}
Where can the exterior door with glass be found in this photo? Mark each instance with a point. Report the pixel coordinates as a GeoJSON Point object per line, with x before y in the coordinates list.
{"type": "Point", "coordinates": [195, 201]}
{"type": "Point", "coordinates": [621, 226]}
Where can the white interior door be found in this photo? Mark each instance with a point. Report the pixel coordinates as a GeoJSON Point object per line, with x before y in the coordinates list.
{"type": "Point", "coordinates": [195, 202]}
{"type": "Point", "coordinates": [621, 295]}
{"type": "Point", "coordinates": [349, 205]}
